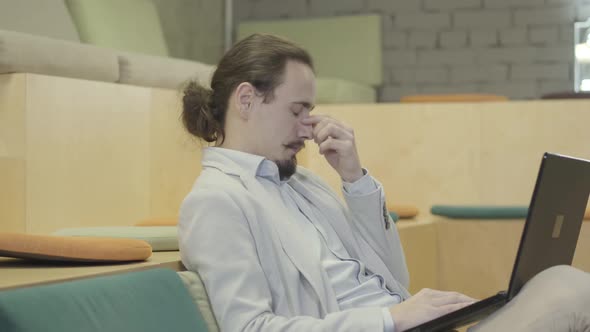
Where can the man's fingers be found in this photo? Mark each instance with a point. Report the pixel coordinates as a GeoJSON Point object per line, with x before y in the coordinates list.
{"type": "Point", "coordinates": [451, 298]}
{"type": "Point", "coordinates": [331, 144]}
{"type": "Point", "coordinates": [331, 130]}
{"type": "Point", "coordinates": [313, 119]}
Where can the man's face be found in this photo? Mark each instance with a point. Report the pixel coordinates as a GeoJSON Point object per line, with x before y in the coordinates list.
{"type": "Point", "coordinates": [277, 128]}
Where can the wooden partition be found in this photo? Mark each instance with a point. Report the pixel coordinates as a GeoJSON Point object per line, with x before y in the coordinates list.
{"type": "Point", "coordinates": [476, 257]}
{"type": "Point", "coordinates": [76, 152]}
{"type": "Point", "coordinates": [84, 153]}
{"type": "Point", "coordinates": [459, 153]}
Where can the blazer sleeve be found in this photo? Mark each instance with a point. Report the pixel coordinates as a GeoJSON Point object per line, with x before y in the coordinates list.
{"type": "Point", "coordinates": [215, 241]}
{"type": "Point", "coordinates": [372, 220]}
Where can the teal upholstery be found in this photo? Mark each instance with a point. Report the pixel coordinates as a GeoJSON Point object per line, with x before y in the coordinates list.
{"type": "Point", "coordinates": [148, 301]}
{"type": "Point", "coordinates": [393, 216]}
{"type": "Point", "coordinates": [346, 47]}
{"type": "Point", "coordinates": [480, 211]}
{"type": "Point", "coordinates": [193, 282]}
{"type": "Point", "coordinates": [130, 25]}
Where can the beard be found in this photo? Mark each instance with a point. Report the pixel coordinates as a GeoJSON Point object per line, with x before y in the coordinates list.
{"type": "Point", "coordinates": [287, 167]}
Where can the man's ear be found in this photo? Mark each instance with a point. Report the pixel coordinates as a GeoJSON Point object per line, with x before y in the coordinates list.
{"type": "Point", "coordinates": [245, 93]}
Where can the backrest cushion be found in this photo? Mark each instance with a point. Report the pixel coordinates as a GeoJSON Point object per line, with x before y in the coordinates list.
{"type": "Point", "coordinates": [49, 18]}
{"type": "Point", "coordinates": [130, 25]}
{"type": "Point", "coordinates": [153, 300]}
{"type": "Point", "coordinates": [347, 47]}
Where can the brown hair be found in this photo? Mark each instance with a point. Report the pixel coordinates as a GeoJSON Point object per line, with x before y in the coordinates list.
{"type": "Point", "coordinates": [259, 59]}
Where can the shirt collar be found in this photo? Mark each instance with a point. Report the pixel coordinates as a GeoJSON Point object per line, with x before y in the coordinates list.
{"type": "Point", "coordinates": [250, 164]}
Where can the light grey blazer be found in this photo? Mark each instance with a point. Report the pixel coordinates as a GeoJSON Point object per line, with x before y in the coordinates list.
{"type": "Point", "coordinates": [255, 265]}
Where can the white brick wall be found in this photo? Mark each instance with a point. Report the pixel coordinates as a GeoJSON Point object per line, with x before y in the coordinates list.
{"type": "Point", "coordinates": [423, 21]}
{"type": "Point", "coordinates": [513, 3]}
{"type": "Point", "coordinates": [535, 71]}
{"type": "Point", "coordinates": [544, 16]}
{"type": "Point", "coordinates": [421, 39]}
{"type": "Point", "coordinates": [432, 74]}
{"type": "Point", "coordinates": [513, 36]}
{"type": "Point", "coordinates": [453, 39]}
{"type": "Point", "coordinates": [518, 48]}
{"type": "Point", "coordinates": [479, 73]}
{"type": "Point", "coordinates": [544, 35]}
{"type": "Point", "coordinates": [483, 19]}
{"type": "Point", "coordinates": [451, 5]}
{"type": "Point", "coordinates": [481, 37]}
{"type": "Point", "coordinates": [446, 57]}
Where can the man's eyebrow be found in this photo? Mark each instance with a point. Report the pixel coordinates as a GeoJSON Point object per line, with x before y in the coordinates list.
{"type": "Point", "coordinates": [305, 104]}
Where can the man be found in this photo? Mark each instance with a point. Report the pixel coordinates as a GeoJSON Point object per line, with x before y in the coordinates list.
{"type": "Point", "coordinates": [275, 247]}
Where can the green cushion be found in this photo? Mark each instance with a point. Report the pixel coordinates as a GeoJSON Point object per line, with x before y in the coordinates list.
{"type": "Point", "coordinates": [334, 90]}
{"type": "Point", "coordinates": [148, 301]}
{"type": "Point", "coordinates": [161, 238]}
{"type": "Point", "coordinates": [347, 47]}
{"type": "Point", "coordinates": [130, 25]}
{"type": "Point", "coordinates": [480, 211]}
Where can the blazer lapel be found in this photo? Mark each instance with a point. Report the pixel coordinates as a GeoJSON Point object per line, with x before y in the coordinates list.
{"type": "Point", "coordinates": [338, 223]}
{"type": "Point", "coordinates": [342, 225]}
{"type": "Point", "coordinates": [291, 238]}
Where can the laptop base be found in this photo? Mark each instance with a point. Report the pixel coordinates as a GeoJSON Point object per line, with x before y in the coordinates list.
{"type": "Point", "coordinates": [472, 313]}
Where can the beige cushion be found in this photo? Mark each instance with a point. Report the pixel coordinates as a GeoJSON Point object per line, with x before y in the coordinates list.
{"type": "Point", "coordinates": [192, 281]}
{"type": "Point", "coordinates": [24, 53]}
{"type": "Point", "coordinates": [49, 18]}
{"type": "Point", "coordinates": [161, 72]}
{"type": "Point", "coordinates": [60, 248]}
{"type": "Point", "coordinates": [162, 238]}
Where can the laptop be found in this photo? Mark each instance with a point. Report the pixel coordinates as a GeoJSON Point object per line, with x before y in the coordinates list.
{"type": "Point", "coordinates": [549, 236]}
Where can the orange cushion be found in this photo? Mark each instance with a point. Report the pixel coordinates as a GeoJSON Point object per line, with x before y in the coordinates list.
{"type": "Point", "coordinates": [587, 215]}
{"type": "Point", "coordinates": [170, 221]}
{"type": "Point", "coordinates": [404, 211]}
{"type": "Point", "coordinates": [451, 98]}
{"type": "Point", "coordinates": [77, 249]}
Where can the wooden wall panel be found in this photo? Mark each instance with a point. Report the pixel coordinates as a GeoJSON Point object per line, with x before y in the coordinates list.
{"type": "Point", "coordinates": [175, 160]}
{"type": "Point", "coordinates": [476, 257]}
{"type": "Point", "coordinates": [87, 153]}
{"type": "Point", "coordinates": [419, 241]}
{"type": "Point", "coordinates": [487, 153]}
{"type": "Point", "coordinates": [514, 138]}
{"type": "Point", "coordinates": [12, 153]}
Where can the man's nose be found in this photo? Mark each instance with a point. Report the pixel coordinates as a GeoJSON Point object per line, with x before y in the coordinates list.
{"type": "Point", "coordinates": [304, 131]}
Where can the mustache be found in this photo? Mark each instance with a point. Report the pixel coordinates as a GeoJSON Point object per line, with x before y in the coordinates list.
{"type": "Point", "coordinates": [296, 145]}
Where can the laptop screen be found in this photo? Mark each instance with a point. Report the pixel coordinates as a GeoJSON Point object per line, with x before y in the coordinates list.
{"type": "Point", "coordinates": [554, 218]}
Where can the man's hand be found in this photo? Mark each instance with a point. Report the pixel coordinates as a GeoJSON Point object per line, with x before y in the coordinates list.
{"type": "Point", "coordinates": [426, 305]}
{"type": "Point", "coordinates": [337, 144]}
